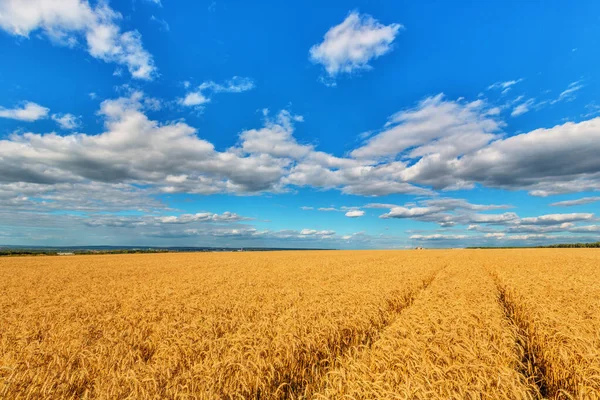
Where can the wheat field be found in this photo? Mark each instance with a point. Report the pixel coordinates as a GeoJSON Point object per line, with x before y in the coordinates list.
{"type": "Point", "coordinates": [438, 324]}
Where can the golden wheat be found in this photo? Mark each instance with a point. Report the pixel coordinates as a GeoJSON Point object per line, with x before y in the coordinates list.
{"type": "Point", "coordinates": [396, 324]}
{"type": "Point", "coordinates": [453, 343]}
{"type": "Point", "coordinates": [554, 298]}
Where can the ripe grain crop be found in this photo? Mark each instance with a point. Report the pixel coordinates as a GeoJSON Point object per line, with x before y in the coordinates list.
{"type": "Point", "coordinates": [555, 303]}
{"type": "Point", "coordinates": [454, 342]}
{"type": "Point", "coordinates": [275, 325]}
{"type": "Point", "coordinates": [192, 325]}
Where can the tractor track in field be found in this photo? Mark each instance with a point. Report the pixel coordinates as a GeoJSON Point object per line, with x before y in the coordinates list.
{"type": "Point", "coordinates": [531, 368]}
{"type": "Point", "coordinates": [289, 387]}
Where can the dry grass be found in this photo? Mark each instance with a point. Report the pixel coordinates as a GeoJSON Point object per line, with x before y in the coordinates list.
{"type": "Point", "coordinates": [427, 324]}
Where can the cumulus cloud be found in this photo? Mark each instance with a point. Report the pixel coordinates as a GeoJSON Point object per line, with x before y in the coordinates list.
{"type": "Point", "coordinates": [132, 221]}
{"type": "Point", "coordinates": [544, 161]}
{"type": "Point", "coordinates": [510, 227]}
{"type": "Point", "coordinates": [29, 112]}
{"type": "Point", "coordinates": [355, 213]}
{"type": "Point", "coordinates": [250, 236]}
{"type": "Point", "coordinates": [135, 149]}
{"type": "Point", "coordinates": [435, 126]}
{"type": "Point", "coordinates": [203, 93]}
{"type": "Point", "coordinates": [351, 45]}
{"type": "Point", "coordinates": [66, 121]}
{"type": "Point", "coordinates": [440, 144]}
{"type": "Point", "coordinates": [553, 219]}
{"type": "Point", "coordinates": [585, 228]}
{"type": "Point", "coordinates": [275, 138]}
{"type": "Point", "coordinates": [80, 197]}
{"type": "Point", "coordinates": [215, 230]}
{"type": "Point", "coordinates": [69, 21]}
{"type": "Point", "coordinates": [171, 158]}
{"type": "Point", "coordinates": [405, 212]}
{"type": "Point", "coordinates": [447, 212]}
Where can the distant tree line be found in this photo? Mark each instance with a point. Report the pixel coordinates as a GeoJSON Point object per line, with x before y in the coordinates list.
{"type": "Point", "coordinates": [30, 252]}
{"type": "Point", "coordinates": [65, 251]}
{"type": "Point", "coordinates": [574, 245]}
{"type": "Point", "coordinates": [594, 245]}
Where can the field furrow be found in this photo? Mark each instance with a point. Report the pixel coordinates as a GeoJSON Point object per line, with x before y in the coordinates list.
{"type": "Point", "coordinates": [453, 343]}
{"type": "Point", "coordinates": [556, 307]}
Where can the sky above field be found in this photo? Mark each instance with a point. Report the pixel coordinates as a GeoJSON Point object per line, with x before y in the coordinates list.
{"type": "Point", "coordinates": [293, 124]}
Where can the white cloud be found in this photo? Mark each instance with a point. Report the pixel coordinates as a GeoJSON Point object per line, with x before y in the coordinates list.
{"type": "Point", "coordinates": [522, 108]}
{"type": "Point", "coordinates": [560, 159]}
{"type": "Point", "coordinates": [492, 218]}
{"type": "Point", "coordinates": [194, 99]}
{"type": "Point", "coordinates": [135, 149]}
{"type": "Point", "coordinates": [435, 126]}
{"type": "Point", "coordinates": [355, 213]}
{"type": "Point", "coordinates": [236, 84]}
{"type": "Point", "coordinates": [569, 93]}
{"type": "Point", "coordinates": [202, 217]}
{"type": "Point", "coordinates": [81, 197]}
{"type": "Point", "coordinates": [552, 219]}
{"type": "Point", "coordinates": [504, 86]}
{"type": "Point", "coordinates": [29, 112]}
{"type": "Point", "coordinates": [66, 22]}
{"type": "Point", "coordinates": [452, 204]}
{"type": "Point", "coordinates": [313, 232]}
{"type": "Point", "coordinates": [66, 121]}
{"type": "Point", "coordinates": [164, 25]}
{"type": "Point", "coordinates": [306, 208]}
{"type": "Point", "coordinates": [202, 94]}
{"type": "Point", "coordinates": [448, 212]}
{"type": "Point", "coordinates": [458, 146]}
{"type": "Point", "coordinates": [586, 228]}
{"type": "Point", "coordinates": [439, 236]}
{"type": "Point", "coordinates": [380, 205]}
{"type": "Point", "coordinates": [350, 46]}
{"type": "Point", "coordinates": [577, 202]}
{"type": "Point", "coordinates": [275, 138]}
{"type": "Point", "coordinates": [415, 212]}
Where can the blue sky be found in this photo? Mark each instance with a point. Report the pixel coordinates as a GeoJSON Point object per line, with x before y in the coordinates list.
{"type": "Point", "coordinates": [356, 125]}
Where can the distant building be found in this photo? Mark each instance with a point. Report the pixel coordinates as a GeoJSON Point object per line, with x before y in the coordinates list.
{"type": "Point", "coordinates": [65, 254]}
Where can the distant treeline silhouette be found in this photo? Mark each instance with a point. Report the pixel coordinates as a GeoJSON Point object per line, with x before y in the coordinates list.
{"type": "Point", "coordinates": [575, 245]}
{"type": "Point", "coordinates": [593, 245]}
